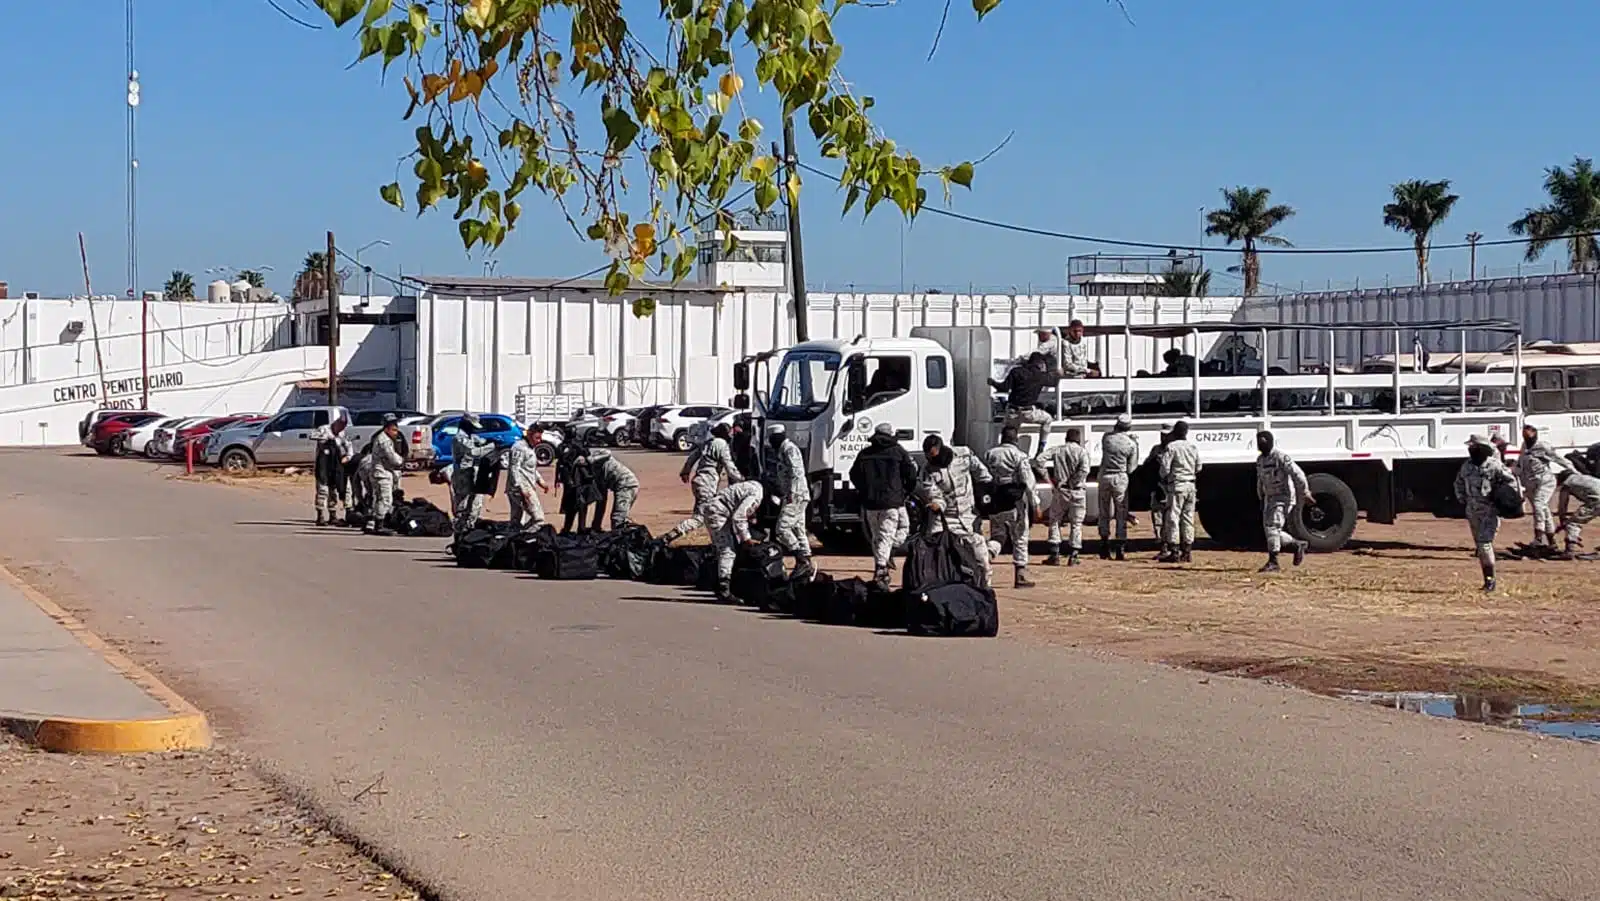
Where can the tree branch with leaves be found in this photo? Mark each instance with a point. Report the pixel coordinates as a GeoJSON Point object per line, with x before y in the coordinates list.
{"type": "Point", "coordinates": [493, 83]}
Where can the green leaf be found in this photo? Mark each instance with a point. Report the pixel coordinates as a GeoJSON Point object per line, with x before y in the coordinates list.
{"type": "Point", "coordinates": [391, 195]}
{"type": "Point", "coordinates": [376, 10]}
{"type": "Point", "coordinates": [617, 281]}
{"type": "Point", "coordinates": [512, 212]}
{"type": "Point", "coordinates": [342, 11]}
{"type": "Point", "coordinates": [984, 7]}
{"type": "Point", "coordinates": [644, 306]}
{"type": "Point", "coordinates": [766, 195]}
{"type": "Point", "coordinates": [962, 175]}
{"type": "Point", "coordinates": [620, 128]}
{"type": "Point", "coordinates": [471, 232]}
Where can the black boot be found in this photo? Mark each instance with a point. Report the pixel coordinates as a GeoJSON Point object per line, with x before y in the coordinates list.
{"type": "Point", "coordinates": [1488, 577]}
{"type": "Point", "coordinates": [1169, 554]}
{"type": "Point", "coordinates": [321, 520]}
{"type": "Point", "coordinates": [880, 578]}
{"type": "Point", "coordinates": [1105, 549]}
{"type": "Point", "coordinates": [1299, 552]}
{"type": "Point", "coordinates": [1271, 566]}
{"type": "Point", "coordinates": [1185, 553]}
{"type": "Point", "coordinates": [803, 570]}
{"type": "Point", "coordinates": [1072, 557]}
{"type": "Point", "coordinates": [1055, 556]}
{"type": "Point", "coordinates": [1119, 551]}
{"type": "Point", "coordinates": [724, 593]}
{"type": "Point", "coordinates": [1021, 579]}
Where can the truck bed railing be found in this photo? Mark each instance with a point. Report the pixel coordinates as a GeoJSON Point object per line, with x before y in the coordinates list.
{"type": "Point", "coordinates": [1400, 389]}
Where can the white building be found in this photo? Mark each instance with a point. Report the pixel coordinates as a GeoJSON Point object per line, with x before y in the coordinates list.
{"type": "Point", "coordinates": [479, 343]}
{"type": "Point", "coordinates": [759, 257]}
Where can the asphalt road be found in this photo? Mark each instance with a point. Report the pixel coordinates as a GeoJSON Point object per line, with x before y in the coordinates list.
{"type": "Point", "coordinates": [506, 738]}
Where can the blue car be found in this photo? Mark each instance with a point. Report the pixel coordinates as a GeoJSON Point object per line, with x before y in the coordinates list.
{"type": "Point", "coordinates": [502, 430]}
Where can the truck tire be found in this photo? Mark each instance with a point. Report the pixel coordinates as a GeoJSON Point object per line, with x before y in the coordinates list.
{"type": "Point", "coordinates": [1328, 518]}
{"type": "Point", "coordinates": [1228, 509]}
{"type": "Point", "coordinates": [544, 453]}
{"type": "Point", "coordinates": [237, 459]}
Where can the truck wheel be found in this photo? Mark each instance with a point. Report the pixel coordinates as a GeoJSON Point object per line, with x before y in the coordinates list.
{"type": "Point", "coordinates": [544, 454]}
{"type": "Point", "coordinates": [238, 460]}
{"type": "Point", "coordinates": [1328, 518]}
{"type": "Point", "coordinates": [1227, 528]}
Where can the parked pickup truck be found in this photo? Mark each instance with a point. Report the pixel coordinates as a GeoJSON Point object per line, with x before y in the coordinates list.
{"type": "Point", "coordinates": [288, 439]}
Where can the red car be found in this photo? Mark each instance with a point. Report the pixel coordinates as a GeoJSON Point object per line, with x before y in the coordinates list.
{"type": "Point", "coordinates": [201, 430]}
{"type": "Point", "coordinates": [101, 435]}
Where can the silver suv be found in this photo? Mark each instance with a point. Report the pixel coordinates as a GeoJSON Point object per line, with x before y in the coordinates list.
{"type": "Point", "coordinates": [286, 439]}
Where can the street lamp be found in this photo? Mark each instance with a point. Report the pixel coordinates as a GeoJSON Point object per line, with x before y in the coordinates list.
{"type": "Point", "coordinates": [1472, 242]}
{"type": "Point", "coordinates": [368, 269]}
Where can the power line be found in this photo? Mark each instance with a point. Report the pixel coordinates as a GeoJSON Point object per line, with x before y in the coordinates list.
{"type": "Point", "coordinates": [1149, 245]}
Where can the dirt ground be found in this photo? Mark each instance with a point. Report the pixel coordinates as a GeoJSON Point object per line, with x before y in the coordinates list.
{"type": "Point", "coordinates": [1400, 610]}
{"type": "Point", "coordinates": [178, 826]}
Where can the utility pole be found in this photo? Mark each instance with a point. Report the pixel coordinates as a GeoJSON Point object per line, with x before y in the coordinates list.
{"type": "Point", "coordinates": [333, 323]}
{"type": "Point", "coordinates": [797, 262]}
{"type": "Point", "coordinates": [1472, 243]}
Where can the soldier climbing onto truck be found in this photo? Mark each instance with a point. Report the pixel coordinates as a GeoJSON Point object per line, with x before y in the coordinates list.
{"type": "Point", "coordinates": [1022, 386]}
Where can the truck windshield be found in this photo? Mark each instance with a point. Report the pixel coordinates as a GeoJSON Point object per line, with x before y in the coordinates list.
{"type": "Point", "coordinates": [804, 386]}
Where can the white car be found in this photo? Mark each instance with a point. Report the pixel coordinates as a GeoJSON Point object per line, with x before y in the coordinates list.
{"type": "Point", "coordinates": [700, 432]}
{"type": "Point", "coordinates": [672, 425]}
{"type": "Point", "coordinates": [162, 441]}
{"type": "Point", "coordinates": [142, 439]}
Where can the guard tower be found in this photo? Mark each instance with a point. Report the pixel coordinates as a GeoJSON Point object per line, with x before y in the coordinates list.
{"type": "Point", "coordinates": [758, 258]}
{"type": "Point", "coordinates": [1106, 275]}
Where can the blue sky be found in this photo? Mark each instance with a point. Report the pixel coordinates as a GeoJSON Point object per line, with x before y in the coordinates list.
{"type": "Point", "coordinates": [255, 139]}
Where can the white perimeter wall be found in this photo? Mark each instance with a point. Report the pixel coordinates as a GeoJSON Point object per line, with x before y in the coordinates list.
{"type": "Point", "coordinates": [478, 352]}
{"type": "Point", "coordinates": [35, 338]}
{"type": "Point", "coordinates": [1562, 308]}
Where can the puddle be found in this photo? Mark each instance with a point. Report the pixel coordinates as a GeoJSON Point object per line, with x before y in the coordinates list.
{"type": "Point", "coordinates": [1544, 719]}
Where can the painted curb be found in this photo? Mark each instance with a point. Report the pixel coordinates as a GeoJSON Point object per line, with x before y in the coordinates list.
{"type": "Point", "coordinates": [185, 730]}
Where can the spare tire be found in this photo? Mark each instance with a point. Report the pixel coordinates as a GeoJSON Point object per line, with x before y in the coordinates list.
{"type": "Point", "coordinates": [1327, 519]}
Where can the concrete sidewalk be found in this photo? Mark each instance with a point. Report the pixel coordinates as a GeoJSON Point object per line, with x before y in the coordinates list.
{"type": "Point", "coordinates": [64, 689]}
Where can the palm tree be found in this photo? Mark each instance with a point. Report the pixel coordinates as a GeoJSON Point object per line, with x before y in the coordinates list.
{"type": "Point", "coordinates": [313, 278]}
{"type": "Point", "coordinates": [252, 278]}
{"type": "Point", "coordinates": [1573, 213]}
{"type": "Point", "coordinates": [179, 286]}
{"type": "Point", "coordinates": [1249, 219]}
{"type": "Point", "coordinates": [1186, 283]}
{"type": "Point", "coordinates": [1419, 206]}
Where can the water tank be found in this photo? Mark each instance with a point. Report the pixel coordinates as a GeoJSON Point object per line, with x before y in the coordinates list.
{"type": "Point", "coordinates": [219, 292]}
{"type": "Point", "coordinates": [241, 291]}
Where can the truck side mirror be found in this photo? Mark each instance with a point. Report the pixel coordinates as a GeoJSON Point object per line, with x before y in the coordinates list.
{"type": "Point", "coordinates": [741, 401]}
{"type": "Point", "coordinates": [741, 376]}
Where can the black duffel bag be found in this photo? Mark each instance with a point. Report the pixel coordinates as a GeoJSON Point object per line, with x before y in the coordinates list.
{"type": "Point", "coordinates": [420, 518]}
{"type": "Point", "coordinates": [993, 497]}
{"type": "Point", "coordinates": [1507, 500]}
{"type": "Point", "coordinates": [484, 547]}
{"type": "Point", "coordinates": [757, 572]}
{"type": "Point", "coordinates": [527, 546]}
{"type": "Point", "coordinates": [938, 559]}
{"type": "Point", "coordinates": [689, 567]}
{"type": "Point", "coordinates": [486, 478]}
{"type": "Point", "coordinates": [953, 610]}
{"type": "Point", "coordinates": [568, 557]}
{"type": "Point", "coordinates": [626, 553]}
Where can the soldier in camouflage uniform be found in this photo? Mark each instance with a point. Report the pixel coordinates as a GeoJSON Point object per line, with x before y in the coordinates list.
{"type": "Point", "coordinates": [1180, 467]}
{"type": "Point", "coordinates": [702, 470]}
{"type": "Point", "coordinates": [728, 519]}
{"type": "Point", "coordinates": [523, 482]}
{"type": "Point", "coordinates": [387, 462]}
{"type": "Point", "coordinates": [1281, 484]}
{"type": "Point", "coordinates": [1011, 466]}
{"type": "Point", "coordinates": [1119, 457]}
{"type": "Point", "coordinates": [619, 482]}
{"type": "Point", "coordinates": [468, 450]}
{"type": "Point", "coordinates": [1586, 489]}
{"type": "Point", "coordinates": [1536, 468]}
{"type": "Point", "coordinates": [945, 492]}
{"type": "Point", "coordinates": [333, 454]}
{"type": "Point", "coordinates": [1067, 467]}
{"type": "Point", "coordinates": [794, 493]}
{"type": "Point", "coordinates": [1475, 485]}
